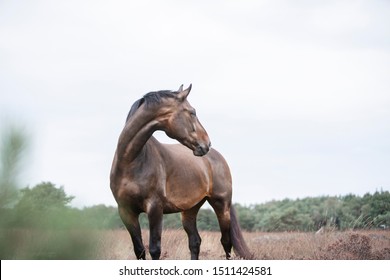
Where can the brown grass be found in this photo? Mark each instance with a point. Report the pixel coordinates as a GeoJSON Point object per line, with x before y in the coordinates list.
{"type": "Point", "coordinates": [116, 245]}
{"type": "Point", "coordinates": [334, 245]}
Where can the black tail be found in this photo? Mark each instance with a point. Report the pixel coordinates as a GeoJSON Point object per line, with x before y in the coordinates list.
{"type": "Point", "coordinates": [239, 246]}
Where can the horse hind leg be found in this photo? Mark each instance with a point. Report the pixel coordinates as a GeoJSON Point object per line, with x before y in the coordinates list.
{"type": "Point", "coordinates": [189, 224]}
{"type": "Point", "coordinates": [222, 210]}
{"type": "Point", "coordinates": [130, 220]}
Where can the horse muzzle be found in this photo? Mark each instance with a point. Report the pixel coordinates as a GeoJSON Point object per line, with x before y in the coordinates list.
{"type": "Point", "coordinates": [201, 149]}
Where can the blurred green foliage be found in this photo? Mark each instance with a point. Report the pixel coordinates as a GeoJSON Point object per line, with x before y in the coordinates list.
{"type": "Point", "coordinates": [13, 145]}
{"type": "Point", "coordinates": [36, 223]}
{"type": "Point", "coordinates": [42, 225]}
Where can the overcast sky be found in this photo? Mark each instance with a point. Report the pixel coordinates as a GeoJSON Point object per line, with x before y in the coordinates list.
{"type": "Point", "coordinates": [295, 94]}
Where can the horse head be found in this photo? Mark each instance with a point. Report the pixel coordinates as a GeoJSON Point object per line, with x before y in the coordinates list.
{"type": "Point", "coordinates": [180, 122]}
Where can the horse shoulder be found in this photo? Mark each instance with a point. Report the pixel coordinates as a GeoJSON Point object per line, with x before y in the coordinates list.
{"type": "Point", "coordinates": [221, 176]}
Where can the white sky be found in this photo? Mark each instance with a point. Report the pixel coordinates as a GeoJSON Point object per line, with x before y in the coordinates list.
{"type": "Point", "coordinates": [295, 94]}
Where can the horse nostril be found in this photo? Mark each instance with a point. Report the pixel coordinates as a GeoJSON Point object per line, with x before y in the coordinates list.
{"type": "Point", "coordinates": [205, 148]}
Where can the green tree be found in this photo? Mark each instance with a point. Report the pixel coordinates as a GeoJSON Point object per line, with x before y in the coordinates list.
{"type": "Point", "coordinates": [44, 197]}
{"type": "Point", "coordinates": [44, 205]}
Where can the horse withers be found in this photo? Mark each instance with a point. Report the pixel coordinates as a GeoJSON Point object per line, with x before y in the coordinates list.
{"type": "Point", "coordinates": [155, 178]}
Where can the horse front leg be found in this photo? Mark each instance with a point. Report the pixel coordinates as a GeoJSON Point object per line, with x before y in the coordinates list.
{"type": "Point", "coordinates": [194, 240]}
{"type": "Point", "coordinates": [155, 216]}
{"type": "Point", "coordinates": [130, 220]}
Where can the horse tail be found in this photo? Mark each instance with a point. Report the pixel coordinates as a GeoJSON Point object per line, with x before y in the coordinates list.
{"type": "Point", "coordinates": [239, 246]}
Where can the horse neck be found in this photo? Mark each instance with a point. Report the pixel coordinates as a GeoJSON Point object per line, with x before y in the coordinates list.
{"type": "Point", "coordinates": [136, 133]}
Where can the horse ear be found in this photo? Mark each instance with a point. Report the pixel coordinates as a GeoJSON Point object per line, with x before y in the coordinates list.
{"type": "Point", "coordinates": [180, 89]}
{"type": "Point", "coordinates": [184, 93]}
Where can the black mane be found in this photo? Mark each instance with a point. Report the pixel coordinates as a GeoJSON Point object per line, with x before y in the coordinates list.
{"type": "Point", "coordinates": [150, 98]}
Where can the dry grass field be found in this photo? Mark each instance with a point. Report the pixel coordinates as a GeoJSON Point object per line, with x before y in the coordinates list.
{"type": "Point", "coordinates": [116, 245]}
{"type": "Point", "coordinates": [345, 245]}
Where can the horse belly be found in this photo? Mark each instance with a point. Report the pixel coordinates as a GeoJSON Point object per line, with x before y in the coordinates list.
{"type": "Point", "coordinates": [186, 187]}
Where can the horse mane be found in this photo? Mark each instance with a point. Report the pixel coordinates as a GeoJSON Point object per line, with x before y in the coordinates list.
{"type": "Point", "coordinates": [150, 98]}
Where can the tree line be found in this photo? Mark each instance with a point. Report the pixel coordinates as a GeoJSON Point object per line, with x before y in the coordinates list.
{"type": "Point", "coordinates": [48, 206]}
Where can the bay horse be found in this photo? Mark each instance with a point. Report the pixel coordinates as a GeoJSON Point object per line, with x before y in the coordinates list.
{"type": "Point", "coordinates": [155, 178]}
